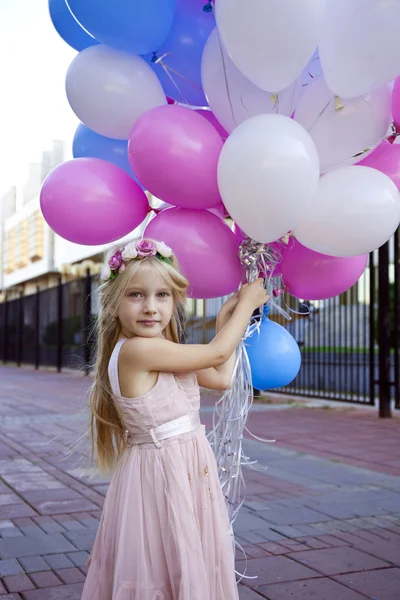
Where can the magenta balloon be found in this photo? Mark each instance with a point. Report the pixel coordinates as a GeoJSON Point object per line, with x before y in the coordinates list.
{"type": "Point", "coordinates": [205, 247]}
{"type": "Point", "coordinates": [238, 233]}
{"type": "Point", "coordinates": [91, 201]}
{"type": "Point", "coordinates": [309, 275]}
{"type": "Point", "coordinates": [207, 114]}
{"type": "Point", "coordinates": [385, 158]}
{"type": "Point", "coordinates": [174, 153]}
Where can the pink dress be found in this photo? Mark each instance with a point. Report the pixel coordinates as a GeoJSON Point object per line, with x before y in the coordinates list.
{"type": "Point", "coordinates": [164, 532]}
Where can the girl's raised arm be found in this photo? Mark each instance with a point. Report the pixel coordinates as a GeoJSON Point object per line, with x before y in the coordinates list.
{"type": "Point", "coordinates": [158, 354]}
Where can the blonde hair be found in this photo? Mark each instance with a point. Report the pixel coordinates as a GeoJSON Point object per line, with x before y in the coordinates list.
{"type": "Point", "coordinates": [107, 432]}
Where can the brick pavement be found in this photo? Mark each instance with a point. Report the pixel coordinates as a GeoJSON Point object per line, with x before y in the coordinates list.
{"type": "Point", "coordinates": [322, 522]}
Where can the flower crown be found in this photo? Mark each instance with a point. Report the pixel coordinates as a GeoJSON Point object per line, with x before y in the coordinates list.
{"type": "Point", "coordinates": [135, 251]}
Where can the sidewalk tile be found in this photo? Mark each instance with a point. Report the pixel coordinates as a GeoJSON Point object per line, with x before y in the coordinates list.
{"type": "Point", "coordinates": [318, 589]}
{"type": "Point", "coordinates": [382, 583]}
{"type": "Point", "coordinates": [10, 567]}
{"type": "Point", "coordinates": [64, 592]}
{"type": "Point", "coordinates": [40, 545]}
{"type": "Point", "coordinates": [34, 564]}
{"type": "Point", "coordinates": [246, 593]}
{"type": "Point", "coordinates": [58, 561]}
{"type": "Point", "coordinates": [70, 575]}
{"type": "Point", "coordinates": [18, 583]}
{"type": "Point", "coordinates": [273, 569]}
{"type": "Point", "coordinates": [78, 558]}
{"type": "Point", "coordinates": [333, 561]}
{"type": "Point", "coordinates": [45, 579]}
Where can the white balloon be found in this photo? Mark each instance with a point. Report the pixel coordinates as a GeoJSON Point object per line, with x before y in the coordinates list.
{"type": "Point", "coordinates": [232, 97]}
{"type": "Point", "coordinates": [109, 90]}
{"type": "Point", "coordinates": [355, 211]}
{"type": "Point", "coordinates": [360, 45]}
{"type": "Point", "coordinates": [270, 41]}
{"type": "Point", "coordinates": [268, 171]}
{"type": "Point", "coordinates": [343, 130]}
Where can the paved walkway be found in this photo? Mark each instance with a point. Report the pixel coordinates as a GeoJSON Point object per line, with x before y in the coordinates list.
{"type": "Point", "coordinates": [322, 523]}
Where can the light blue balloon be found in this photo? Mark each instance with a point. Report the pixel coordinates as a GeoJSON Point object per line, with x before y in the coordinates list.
{"type": "Point", "coordinates": [183, 50]}
{"type": "Point", "coordinates": [68, 27]}
{"type": "Point", "coordinates": [274, 356]}
{"type": "Point", "coordinates": [136, 26]}
{"type": "Point", "coordinates": [88, 144]}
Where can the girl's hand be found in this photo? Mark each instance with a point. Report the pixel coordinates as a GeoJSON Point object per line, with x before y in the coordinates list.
{"type": "Point", "coordinates": [254, 293]}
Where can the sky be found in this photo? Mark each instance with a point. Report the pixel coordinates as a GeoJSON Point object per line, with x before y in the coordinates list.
{"type": "Point", "coordinates": [33, 105]}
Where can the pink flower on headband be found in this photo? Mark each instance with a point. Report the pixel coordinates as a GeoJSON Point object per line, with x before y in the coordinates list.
{"type": "Point", "coordinates": [146, 248]}
{"type": "Point", "coordinates": [115, 261]}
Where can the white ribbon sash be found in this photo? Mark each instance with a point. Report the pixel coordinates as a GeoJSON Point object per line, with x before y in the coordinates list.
{"type": "Point", "coordinates": [184, 424]}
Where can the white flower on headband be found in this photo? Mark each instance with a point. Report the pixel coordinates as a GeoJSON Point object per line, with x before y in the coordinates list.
{"type": "Point", "coordinates": [105, 273]}
{"type": "Point", "coordinates": [163, 249]}
{"type": "Point", "coordinates": [129, 252]}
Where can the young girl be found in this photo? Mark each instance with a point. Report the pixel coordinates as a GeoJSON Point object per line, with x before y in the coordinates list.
{"type": "Point", "coordinates": [164, 533]}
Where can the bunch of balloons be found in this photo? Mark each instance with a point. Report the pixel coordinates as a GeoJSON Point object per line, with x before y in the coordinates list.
{"type": "Point", "coordinates": [273, 112]}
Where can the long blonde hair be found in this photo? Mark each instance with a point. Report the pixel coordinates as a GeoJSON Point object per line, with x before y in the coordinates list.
{"type": "Point", "coordinates": [108, 439]}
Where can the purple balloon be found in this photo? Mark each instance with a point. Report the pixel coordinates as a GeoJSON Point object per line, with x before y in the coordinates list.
{"type": "Point", "coordinates": [309, 275]}
{"type": "Point", "coordinates": [174, 153]}
{"type": "Point", "coordinates": [385, 158]}
{"type": "Point", "coordinates": [91, 201]}
{"type": "Point", "coordinates": [209, 115]}
{"type": "Point", "coordinates": [205, 247]}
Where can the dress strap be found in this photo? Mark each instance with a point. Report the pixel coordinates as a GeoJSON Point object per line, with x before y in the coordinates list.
{"type": "Point", "coordinates": [113, 368]}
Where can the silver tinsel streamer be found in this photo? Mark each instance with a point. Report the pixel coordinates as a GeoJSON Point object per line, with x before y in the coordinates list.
{"type": "Point", "coordinates": [232, 410]}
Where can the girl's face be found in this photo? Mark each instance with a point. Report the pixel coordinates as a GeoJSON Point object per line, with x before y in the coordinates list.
{"type": "Point", "coordinates": [147, 305]}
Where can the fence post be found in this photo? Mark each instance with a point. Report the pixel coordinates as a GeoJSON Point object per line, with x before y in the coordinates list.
{"type": "Point", "coordinates": [59, 325]}
{"type": "Point", "coordinates": [5, 329]}
{"type": "Point", "coordinates": [384, 333]}
{"type": "Point", "coordinates": [372, 329]}
{"type": "Point", "coordinates": [396, 317]}
{"type": "Point", "coordinates": [20, 323]}
{"type": "Point", "coordinates": [87, 313]}
{"type": "Point", "coordinates": [37, 328]}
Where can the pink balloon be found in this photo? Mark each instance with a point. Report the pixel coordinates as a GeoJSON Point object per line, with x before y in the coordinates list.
{"type": "Point", "coordinates": [207, 114]}
{"type": "Point", "coordinates": [91, 201]}
{"type": "Point", "coordinates": [205, 247]}
{"type": "Point", "coordinates": [309, 275]}
{"type": "Point", "coordinates": [238, 233]}
{"type": "Point", "coordinates": [174, 153]}
{"type": "Point", "coordinates": [385, 158]}
{"type": "Point", "coordinates": [396, 102]}
{"type": "Point", "coordinates": [280, 250]}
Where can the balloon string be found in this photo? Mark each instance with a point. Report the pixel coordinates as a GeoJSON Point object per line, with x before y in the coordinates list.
{"type": "Point", "coordinates": [228, 91]}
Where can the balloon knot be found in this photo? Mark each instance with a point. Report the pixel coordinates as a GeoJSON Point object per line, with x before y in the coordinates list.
{"type": "Point", "coordinates": [274, 98]}
{"type": "Point", "coordinates": [338, 103]}
{"type": "Point", "coordinates": [208, 7]}
{"type": "Point", "coordinates": [154, 58]}
{"type": "Point", "coordinates": [266, 309]}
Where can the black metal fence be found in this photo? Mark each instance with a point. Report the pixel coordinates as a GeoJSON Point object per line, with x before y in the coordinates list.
{"type": "Point", "coordinates": [50, 328]}
{"type": "Point", "coordinates": [349, 344]}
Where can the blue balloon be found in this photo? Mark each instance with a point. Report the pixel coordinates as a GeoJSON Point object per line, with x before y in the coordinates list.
{"type": "Point", "coordinates": [183, 50]}
{"type": "Point", "coordinates": [68, 27]}
{"type": "Point", "coordinates": [89, 144]}
{"type": "Point", "coordinates": [274, 356]}
{"type": "Point", "coordinates": [136, 26]}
